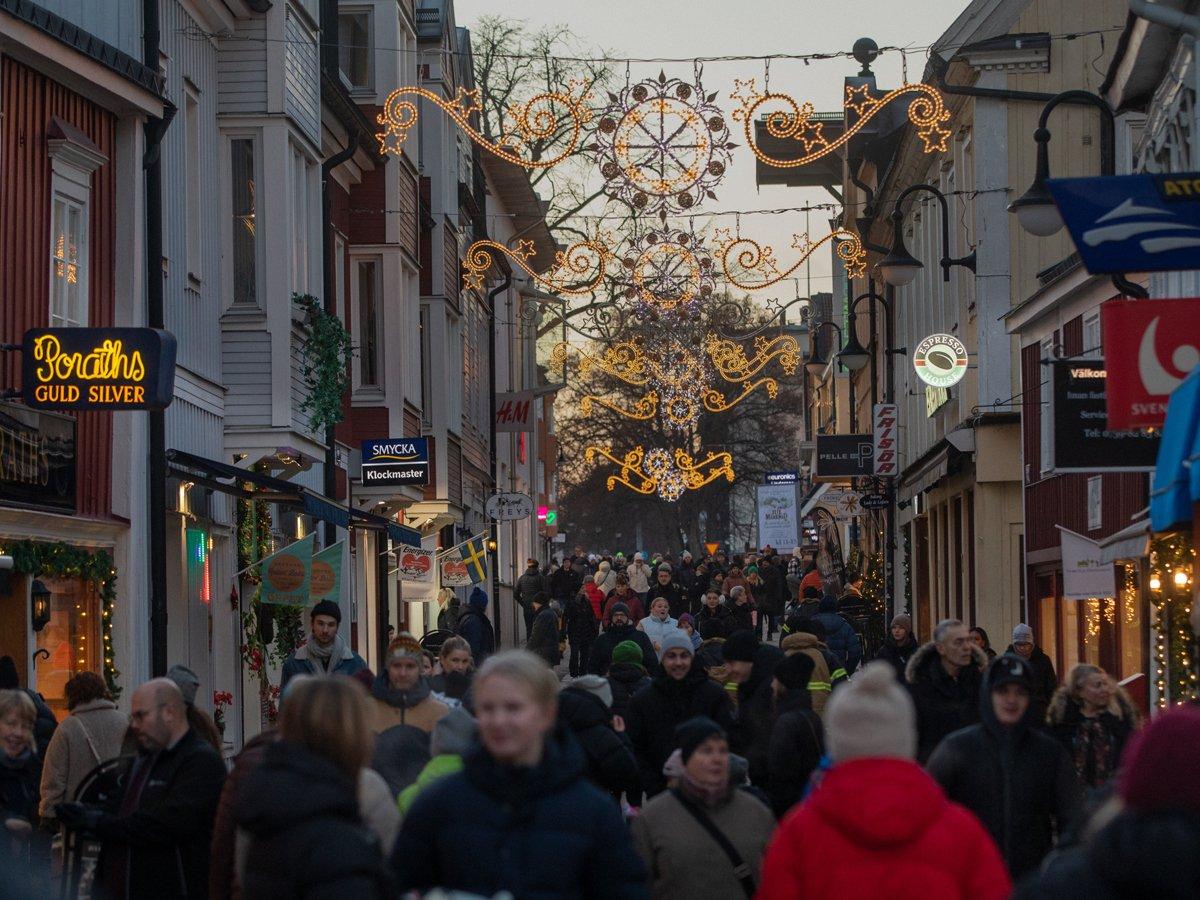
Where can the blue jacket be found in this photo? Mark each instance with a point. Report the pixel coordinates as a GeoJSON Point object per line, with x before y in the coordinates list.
{"type": "Point", "coordinates": [299, 663]}
{"type": "Point", "coordinates": [542, 834]}
{"type": "Point", "coordinates": [840, 637]}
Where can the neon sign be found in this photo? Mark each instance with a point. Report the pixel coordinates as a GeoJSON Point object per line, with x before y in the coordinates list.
{"type": "Point", "coordinates": [98, 368]}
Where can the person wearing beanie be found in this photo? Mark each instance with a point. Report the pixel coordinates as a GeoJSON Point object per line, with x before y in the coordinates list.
{"type": "Point", "coordinates": [621, 628]}
{"type": "Point", "coordinates": [585, 709]}
{"type": "Point", "coordinates": [878, 825]}
{"type": "Point", "coordinates": [639, 576]}
{"type": "Point", "coordinates": [714, 619]}
{"type": "Point", "coordinates": [1143, 842]}
{"type": "Point", "coordinates": [944, 678]}
{"type": "Point", "coordinates": [900, 644]}
{"type": "Point", "coordinates": [840, 637]}
{"type": "Point", "coordinates": [475, 627]}
{"type": "Point", "coordinates": [673, 833]}
{"type": "Point", "coordinates": [543, 638]}
{"type": "Point", "coordinates": [626, 676]}
{"type": "Point", "coordinates": [325, 652]}
{"type": "Point", "coordinates": [623, 594]}
{"type": "Point", "coordinates": [683, 691]}
{"type": "Point", "coordinates": [797, 739]}
{"type": "Point", "coordinates": [401, 694]}
{"type": "Point", "coordinates": [669, 589]}
{"type": "Point", "coordinates": [201, 722]}
{"type": "Point", "coordinates": [658, 624]}
{"type": "Point", "coordinates": [1017, 779]}
{"type": "Point", "coordinates": [687, 624]}
{"type": "Point", "coordinates": [452, 737]}
{"type": "Point", "coordinates": [751, 665]}
{"type": "Point", "coordinates": [1043, 681]}
{"type": "Point", "coordinates": [605, 577]}
{"type": "Point", "coordinates": [802, 634]}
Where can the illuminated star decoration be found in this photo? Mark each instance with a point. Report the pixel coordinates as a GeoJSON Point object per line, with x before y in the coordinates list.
{"type": "Point", "coordinates": [752, 266]}
{"type": "Point", "coordinates": [577, 271]}
{"type": "Point", "coordinates": [669, 474]}
{"type": "Point", "coordinates": [795, 121]}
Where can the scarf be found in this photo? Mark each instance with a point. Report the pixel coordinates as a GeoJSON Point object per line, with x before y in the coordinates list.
{"type": "Point", "coordinates": [382, 690]}
{"type": "Point", "coordinates": [330, 657]}
{"type": "Point", "coordinates": [708, 796]}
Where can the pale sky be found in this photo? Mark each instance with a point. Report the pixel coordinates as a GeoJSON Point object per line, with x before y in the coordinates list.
{"type": "Point", "coordinates": [676, 28]}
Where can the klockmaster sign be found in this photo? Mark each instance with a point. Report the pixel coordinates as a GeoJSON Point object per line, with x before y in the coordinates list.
{"type": "Point", "coordinates": [396, 461]}
{"type": "Point", "coordinates": [940, 360]}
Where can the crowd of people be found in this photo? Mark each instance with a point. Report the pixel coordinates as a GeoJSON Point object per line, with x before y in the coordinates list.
{"type": "Point", "coordinates": [706, 729]}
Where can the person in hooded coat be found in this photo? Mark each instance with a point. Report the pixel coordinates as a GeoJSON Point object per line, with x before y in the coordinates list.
{"type": "Point", "coordinates": [751, 665]}
{"type": "Point", "coordinates": [1093, 719]}
{"type": "Point", "coordinates": [626, 676]}
{"type": "Point", "coordinates": [585, 708]}
{"type": "Point", "coordinates": [1143, 843]}
{"type": "Point", "coordinates": [944, 678]}
{"type": "Point", "coordinates": [900, 644]}
{"type": "Point", "coordinates": [475, 627]}
{"type": "Point", "coordinates": [1017, 779]}
{"type": "Point", "coordinates": [606, 577]}
{"type": "Point", "coordinates": [621, 629]}
{"type": "Point", "coordinates": [583, 625]}
{"type": "Point", "coordinates": [840, 636]}
{"type": "Point", "coordinates": [803, 635]}
{"type": "Point", "coordinates": [681, 693]}
{"type": "Point", "coordinates": [797, 740]}
{"type": "Point", "coordinates": [878, 826]}
{"type": "Point", "coordinates": [520, 817]}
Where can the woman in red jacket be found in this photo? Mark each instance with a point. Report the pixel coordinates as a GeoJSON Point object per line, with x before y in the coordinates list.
{"type": "Point", "coordinates": [876, 825]}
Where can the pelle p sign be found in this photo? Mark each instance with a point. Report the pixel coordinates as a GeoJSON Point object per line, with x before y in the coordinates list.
{"type": "Point", "coordinates": [98, 368]}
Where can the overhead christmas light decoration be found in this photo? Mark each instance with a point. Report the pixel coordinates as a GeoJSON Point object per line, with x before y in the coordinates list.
{"type": "Point", "coordinates": [538, 119]}
{"type": "Point", "coordinates": [753, 258]}
{"type": "Point", "coordinates": [796, 121]}
{"type": "Point", "coordinates": [577, 271]}
{"type": "Point", "coordinates": [667, 270]}
{"type": "Point", "coordinates": [669, 474]}
{"type": "Point", "coordinates": [663, 145]}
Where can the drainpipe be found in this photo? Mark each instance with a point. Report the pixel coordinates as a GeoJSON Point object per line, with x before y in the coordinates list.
{"type": "Point", "coordinates": [493, 294]}
{"type": "Point", "coordinates": [1189, 24]}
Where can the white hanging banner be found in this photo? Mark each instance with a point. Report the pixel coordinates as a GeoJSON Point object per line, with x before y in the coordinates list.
{"type": "Point", "coordinates": [416, 569]}
{"type": "Point", "coordinates": [1085, 575]}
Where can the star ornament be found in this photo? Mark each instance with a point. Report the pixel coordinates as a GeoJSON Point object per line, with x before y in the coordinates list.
{"type": "Point", "coordinates": [524, 249]}
{"type": "Point", "coordinates": [935, 138]}
{"type": "Point", "coordinates": [801, 242]}
{"type": "Point", "coordinates": [467, 102]}
{"type": "Point", "coordinates": [859, 99]}
{"type": "Point", "coordinates": [745, 92]}
{"type": "Point", "coordinates": [812, 135]}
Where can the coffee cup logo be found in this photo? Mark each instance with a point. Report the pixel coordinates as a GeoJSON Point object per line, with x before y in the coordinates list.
{"type": "Point", "coordinates": [941, 360]}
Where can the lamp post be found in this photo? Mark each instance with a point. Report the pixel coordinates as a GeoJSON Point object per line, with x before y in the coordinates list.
{"type": "Point", "coordinates": [900, 267]}
{"type": "Point", "coordinates": [817, 362]}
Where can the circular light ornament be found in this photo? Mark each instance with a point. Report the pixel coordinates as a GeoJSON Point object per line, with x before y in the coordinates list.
{"type": "Point", "coordinates": [668, 270]}
{"type": "Point", "coordinates": [941, 360]}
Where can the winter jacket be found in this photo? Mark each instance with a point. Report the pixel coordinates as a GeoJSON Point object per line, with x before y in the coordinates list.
{"type": "Point", "coordinates": [605, 578]}
{"type": "Point", "coordinates": [722, 615]}
{"type": "Point", "coordinates": [438, 767]}
{"type": "Point", "coordinates": [1136, 855]}
{"type": "Point", "coordinates": [657, 631]}
{"type": "Point", "coordinates": [797, 744]}
{"type": "Point", "coordinates": [565, 584]}
{"type": "Point", "coordinates": [611, 765]}
{"type": "Point", "coordinates": [944, 704]}
{"type": "Point", "coordinates": [774, 593]}
{"type": "Point", "coordinates": [595, 597]}
{"type": "Point", "coordinates": [898, 654]}
{"type": "Point", "coordinates": [476, 629]}
{"type": "Point", "coordinates": [582, 622]}
{"type": "Point", "coordinates": [223, 880]}
{"type": "Point", "coordinates": [1045, 683]}
{"type": "Point", "coordinates": [751, 736]}
{"type": "Point", "coordinates": [878, 828]}
{"type": "Point", "coordinates": [741, 615]}
{"type": "Point", "coordinates": [812, 579]}
{"type": "Point", "coordinates": [685, 862]}
{"type": "Point", "coordinates": [19, 781]}
{"type": "Point", "coordinates": [639, 577]}
{"type": "Point", "coordinates": [416, 707]}
{"type": "Point", "coordinates": [306, 837]}
{"type": "Point", "coordinates": [543, 833]}
{"type": "Point", "coordinates": [399, 755]}
{"type": "Point", "coordinates": [637, 611]}
{"type": "Point", "coordinates": [655, 712]}
{"type": "Point", "coordinates": [44, 725]}
{"type": "Point", "coordinates": [301, 663]}
{"type": "Point", "coordinates": [840, 636]}
{"type": "Point", "coordinates": [601, 655]}
{"type": "Point", "coordinates": [164, 843]}
{"type": "Point", "coordinates": [827, 670]}
{"type": "Point", "coordinates": [677, 600]}
{"type": "Point", "coordinates": [543, 637]}
{"type": "Point", "coordinates": [1094, 745]}
{"type": "Point", "coordinates": [1019, 781]}
{"type": "Point", "coordinates": [90, 735]}
{"type": "Point", "coordinates": [377, 809]}
{"type": "Point", "coordinates": [625, 679]}
{"type": "Point", "coordinates": [531, 582]}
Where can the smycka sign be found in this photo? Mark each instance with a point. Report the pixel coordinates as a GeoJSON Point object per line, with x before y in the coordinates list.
{"type": "Point", "coordinates": [98, 368]}
{"type": "Point", "coordinates": [396, 461]}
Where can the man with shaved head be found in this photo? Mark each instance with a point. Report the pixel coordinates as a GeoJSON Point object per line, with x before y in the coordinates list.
{"type": "Point", "coordinates": [155, 834]}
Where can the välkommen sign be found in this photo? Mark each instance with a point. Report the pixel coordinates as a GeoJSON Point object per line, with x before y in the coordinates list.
{"type": "Point", "coordinates": [98, 368]}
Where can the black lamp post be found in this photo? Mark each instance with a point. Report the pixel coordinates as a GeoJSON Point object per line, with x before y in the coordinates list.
{"type": "Point", "coordinates": [816, 359]}
{"type": "Point", "coordinates": [900, 267]}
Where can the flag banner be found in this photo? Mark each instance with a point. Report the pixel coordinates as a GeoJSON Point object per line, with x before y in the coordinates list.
{"type": "Point", "coordinates": [287, 574]}
{"type": "Point", "coordinates": [1085, 575]}
{"type": "Point", "coordinates": [326, 581]}
{"type": "Point", "coordinates": [465, 564]}
{"type": "Point", "coordinates": [416, 571]}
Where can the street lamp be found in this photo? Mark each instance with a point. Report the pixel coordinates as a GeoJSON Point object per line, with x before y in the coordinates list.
{"type": "Point", "coordinates": [854, 356]}
{"type": "Point", "coordinates": [1035, 209]}
{"type": "Point", "coordinates": [816, 360]}
{"type": "Point", "coordinates": [900, 267]}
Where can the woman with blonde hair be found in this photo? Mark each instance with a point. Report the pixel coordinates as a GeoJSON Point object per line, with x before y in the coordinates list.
{"type": "Point", "coordinates": [1093, 718]}
{"type": "Point", "coordinates": [20, 774]}
{"type": "Point", "coordinates": [300, 806]}
{"type": "Point", "coordinates": [519, 817]}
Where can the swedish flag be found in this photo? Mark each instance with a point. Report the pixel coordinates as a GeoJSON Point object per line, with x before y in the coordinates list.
{"type": "Point", "coordinates": [474, 557]}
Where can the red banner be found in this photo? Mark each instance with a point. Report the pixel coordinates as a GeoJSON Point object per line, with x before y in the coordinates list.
{"type": "Point", "coordinates": [1149, 347]}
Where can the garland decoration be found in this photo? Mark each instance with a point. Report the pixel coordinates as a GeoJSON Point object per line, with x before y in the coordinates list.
{"type": "Point", "coordinates": [61, 560]}
{"type": "Point", "coordinates": [571, 275]}
{"type": "Point", "coordinates": [1172, 566]}
{"type": "Point", "coordinates": [651, 471]}
{"type": "Point", "coordinates": [759, 260]}
{"type": "Point", "coordinates": [667, 270]}
{"type": "Point", "coordinates": [327, 352]}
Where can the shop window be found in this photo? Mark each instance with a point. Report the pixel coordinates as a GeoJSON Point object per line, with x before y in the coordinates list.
{"type": "Point", "coordinates": [1132, 623]}
{"type": "Point", "coordinates": [71, 639]}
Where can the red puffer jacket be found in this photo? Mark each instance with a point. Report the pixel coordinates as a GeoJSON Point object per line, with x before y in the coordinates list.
{"type": "Point", "coordinates": [595, 597]}
{"type": "Point", "coordinates": [882, 828]}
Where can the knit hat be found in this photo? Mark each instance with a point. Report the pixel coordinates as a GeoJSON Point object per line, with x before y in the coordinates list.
{"type": "Point", "coordinates": [663, 567]}
{"type": "Point", "coordinates": [1160, 764]}
{"type": "Point", "coordinates": [687, 554]}
{"type": "Point", "coordinates": [628, 652]}
{"type": "Point", "coordinates": [404, 646]}
{"type": "Point", "coordinates": [687, 619]}
{"type": "Point", "coordinates": [1022, 634]}
{"type": "Point", "coordinates": [188, 682]}
{"type": "Point", "coordinates": [453, 734]}
{"type": "Point", "coordinates": [619, 608]}
{"type": "Point", "coordinates": [871, 716]}
{"type": "Point", "coordinates": [478, 599]}
{"type": "Point", "coordinates": [326, 608]}
{"type": "Point", "coordinates": [676, 640]}
{"type": "Point", "coordinates": [741, 646]}
{"type": "Point", "coordinates": [902, 619]}
{"type": "Point", "coordinates": [736, 591]}
{"type": "Point", "coordinates": [1008, 669]}
{"type": "Point", "coordinates": [639, 555]}
{"type": "Point", "coordinates": [694, 732]}
{"type": "Point", "coordinates": [795, 672]}
{"type": "Point", "coordinates": [595, 685]}
{"type": "Point", "coordinates": [751, 570]}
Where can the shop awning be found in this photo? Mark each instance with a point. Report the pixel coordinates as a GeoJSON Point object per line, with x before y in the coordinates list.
{"type": "Point", "coordinates": [1131, 542]}
{"type": "Point", "coordinates": [924, 476]}
{"type": "Point", "coordinates": [1176, 482]}
{"type": "Point", "coordinates": [814, 497]}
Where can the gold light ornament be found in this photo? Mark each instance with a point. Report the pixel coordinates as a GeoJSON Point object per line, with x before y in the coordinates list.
{"type": "Point", "coordinates": [577, 271]}
{"type": "Point", "coordinates": [758, 260]}
{"type": "Point", "coordinates": [535, 120]}
{"type": "Point", "coordinates": [667, 270]}
{"type": "Point", "coordinates": [669, 474]}
{"type": "Point", "coordinates": [796, 120]}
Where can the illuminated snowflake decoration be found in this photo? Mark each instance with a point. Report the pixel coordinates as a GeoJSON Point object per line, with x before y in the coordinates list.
{"type": "Point", "coordinates": [662, 145]}
{"type": "Point", "coordinates": [666, 270]}
{"type": "Point", "coordinates": [667, 473]}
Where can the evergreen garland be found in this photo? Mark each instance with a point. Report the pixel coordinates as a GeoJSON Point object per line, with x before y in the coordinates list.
{"type": "Point", "coordinates": [327, 352]}
{"type": "Point", "coordinates": [1174, 654]}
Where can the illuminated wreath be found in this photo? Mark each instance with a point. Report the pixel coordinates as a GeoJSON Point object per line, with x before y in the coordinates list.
{"type": "Point", "coordinates": [667, 270]}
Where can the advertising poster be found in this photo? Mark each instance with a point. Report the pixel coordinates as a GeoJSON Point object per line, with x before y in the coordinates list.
{"type": "Point", "coordinates": [778, 516]}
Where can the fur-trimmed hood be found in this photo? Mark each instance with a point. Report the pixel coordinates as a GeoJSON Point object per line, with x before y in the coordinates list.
{"type": "Point", "coordinates": [921, 660]}
{"type": "Point", "coordinates": [1064, 708]}
{"type": "Point", "coordinates": [801, 640]}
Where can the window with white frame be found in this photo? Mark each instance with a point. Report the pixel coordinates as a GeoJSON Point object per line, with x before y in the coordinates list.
{"type": "Point", "coordinates": [1095, 498]}
{"type": "Point", "coordinates": [339, 276]}
{"type": "Point", "coordinates": [192, 157]}
{"type": "Point", "coordinates": [426, 373]}
{"type": "Point", "coordinates": [244, 232]}
{"type": "Point", "coordinates": [1047, 425]}
{"type": "Point", "coordinates": [303, 208]}
{"type": "Point", "coordinates": [356, 55]}
{"type": "Point", "coordinates": [1091, 333]}
{"type": "Point", "coordinates": [73, 159]}
{"type": "Point", "coordinates": [366, 287]}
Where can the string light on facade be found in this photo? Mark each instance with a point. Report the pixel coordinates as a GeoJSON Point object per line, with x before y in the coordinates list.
{"type": "Point", "coordinates": [752, 266]}
{"type": "Point", "coordinates": [577, 271]}
{"type": "Point", "coordinates": [669, 474]}
{"type": "Point", "coordinates": [540, 118]}
{"type": "Point", "coordinates": [797, 121]}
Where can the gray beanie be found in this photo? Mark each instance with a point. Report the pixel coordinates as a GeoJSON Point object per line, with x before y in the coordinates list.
{"type": "Point", "coordinates": [188, 682]}
{"type": "Point", "coordinates": [453, 734]}
{"type": "Point", "coordinates": [677, 640]}
{"type": "Point", "coordinates": [871, 716]}
{"type": "Point", "coordinates": [595, 685]}
{"type": "Point", "coordinates": [1022, 634]}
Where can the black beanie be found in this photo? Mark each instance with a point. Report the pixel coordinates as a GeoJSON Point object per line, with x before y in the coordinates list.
{"type": "Point", "coordinates": [694, 732]}
{"type": "Point", "coordinates": [326, 608]}
{"type": "Point", "coordinates": [795, 672]}
{"type": "Point", "coordinates": [1009, 669]}
{"type": "Point", "coordinates": [741, 646]}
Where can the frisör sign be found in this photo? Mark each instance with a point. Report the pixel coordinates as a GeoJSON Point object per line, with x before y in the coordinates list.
{"type": "Point", "coordinates": [98, 368]}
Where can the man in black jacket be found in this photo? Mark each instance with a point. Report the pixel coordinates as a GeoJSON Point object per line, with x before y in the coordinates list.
{"type": "Point", "coordinates": [543, 637]}
{"type": "Point", "coordinates": [944, 678]}
{"type": "Point", "coordinates": [1042, 680]}
{"type": "Point", "coordinates": [620, 630]}
{"type": "Point", "coordinates": [1018, 780]}
{"type": "Point", "coordinates": [670, 590]}
{"type": "Point", "coordinates": [567, 581]}
{"type": "Point", "coordinates": [155, 843]}
{"type": "Point", "coordinates": [797, 740]}
{"type": "Point", "coordinates": [531, 582]}
{"type": "Point", "coordinates": [681, 693]}
{"type": "Point", "coordinates": [751, 666]}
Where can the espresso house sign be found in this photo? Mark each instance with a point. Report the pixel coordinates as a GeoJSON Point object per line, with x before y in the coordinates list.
{"type": "Point", "coordinates": [98, 368]}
